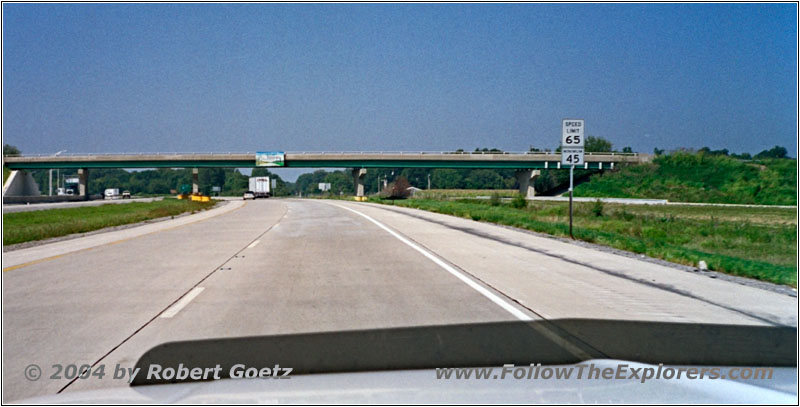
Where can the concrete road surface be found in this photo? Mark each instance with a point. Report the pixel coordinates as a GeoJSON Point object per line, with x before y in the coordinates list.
{"type": "Point", "coordinates": [11, 208]}
{"type": "Point", "coordinates": [290, 266]}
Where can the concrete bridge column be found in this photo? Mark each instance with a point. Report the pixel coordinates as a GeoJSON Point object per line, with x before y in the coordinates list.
{"type": "Point", "coordinates": [83, 183]}
{"type": "Point", "coordinates": [526, 179]}
{"type": "Point", "coordinates": [20, 183]}
{"type": "Point", "coordinates": [195, 183]}
{"type": "Point", "coordinates": [358, 179]}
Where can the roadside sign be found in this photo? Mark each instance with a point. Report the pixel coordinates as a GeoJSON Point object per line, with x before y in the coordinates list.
{"type": "Point", "coordinates": [216, 189]}
{"type": "Point", "coordinates": [274, 183]}
{"type": "Point", "coordinates": [270, 159]}
{"type": "Point", "coordinates": [572, 133]}
{"type": "Point", "coordinates": [572, 142]}
{"type": "Point", "coordinates": [324, 186]}
{"type": "Point", "coordinates": [571, 156]}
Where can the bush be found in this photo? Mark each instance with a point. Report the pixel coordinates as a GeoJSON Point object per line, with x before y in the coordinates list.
{"type": "Point", "coordinates": [519, 201]}
{"type": "Point", "coordinates": [398, 189]}
{"type": "Point", "coordinates": [597, 208]}
{"type": "Point", "coordinates": [495, 199]}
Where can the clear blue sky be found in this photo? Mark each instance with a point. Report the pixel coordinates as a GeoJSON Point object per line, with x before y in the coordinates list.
{"type": "Point", "coordinates": [254, 77]}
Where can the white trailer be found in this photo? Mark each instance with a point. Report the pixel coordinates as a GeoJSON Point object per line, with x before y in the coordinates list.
{"type": "Point", "coordinates": [260, 186]}
{"type": "Point", "coordinates": [111, 193]}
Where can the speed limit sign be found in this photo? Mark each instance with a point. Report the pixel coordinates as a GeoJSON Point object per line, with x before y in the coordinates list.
{"type": "Point", "coordinates": [571, 156]}
{"type": "Point", "coordinates": [572, 133]}
{"type": "Point", "coordinates": [572, 142]}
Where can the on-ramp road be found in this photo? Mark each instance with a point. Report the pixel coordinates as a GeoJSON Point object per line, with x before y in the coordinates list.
{"type": "Point", "coordinates": [12, 208]}
{"type": "Point", "coordinates": [289, 266]}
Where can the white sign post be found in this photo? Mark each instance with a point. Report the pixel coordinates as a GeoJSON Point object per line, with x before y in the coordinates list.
{"type": "Point", "coordinates": [572, 142]}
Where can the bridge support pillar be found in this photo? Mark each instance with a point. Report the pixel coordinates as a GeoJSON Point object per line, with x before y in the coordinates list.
{"type": "Point", "coordinates": [20, 183]}
{"type": "Point", "coordinates": [358, 179]}
{"type": "Point", "coordinates": [83, 183]}
{"type": "Point", "coordinates": [195, 183]}
{"type": "Point", "coordinates": [525, 178]}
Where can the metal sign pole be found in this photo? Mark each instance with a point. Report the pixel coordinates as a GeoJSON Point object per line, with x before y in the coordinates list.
{"type": "Point", "coordinates": [571, 170]}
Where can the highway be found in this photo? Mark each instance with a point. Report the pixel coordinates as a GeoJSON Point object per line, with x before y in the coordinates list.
{"type": "Point", "coordinates": [283, 266]}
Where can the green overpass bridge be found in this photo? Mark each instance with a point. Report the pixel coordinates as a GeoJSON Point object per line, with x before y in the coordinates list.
{"type": "Point", "coordinates": [525, 163]}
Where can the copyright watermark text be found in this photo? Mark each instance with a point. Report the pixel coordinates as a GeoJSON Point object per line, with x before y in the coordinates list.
{"type": "Point", "coordinates": [34, 372]}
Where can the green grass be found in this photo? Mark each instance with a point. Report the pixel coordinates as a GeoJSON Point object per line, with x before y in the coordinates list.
{"type": "Point", "coordinates": [759, 243]}
{"type": "Point", "coordinates": [22, 227]}
{"type": "Point", "coordinates": [6, 173]}
{"type": "Point", "coordinates": [463, 193]}
{"type": "Point", "coordinates": [687, 177]}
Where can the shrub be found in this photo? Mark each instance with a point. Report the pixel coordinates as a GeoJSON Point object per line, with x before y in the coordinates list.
{"type": "Point", "coordinates": [597, 208]}
{"type": "Point", "coordinates": [495, 199]}
{"type": "Point", "coordinates": [519, 201]}
{"type": "Point", "coordinates": [397, 189]}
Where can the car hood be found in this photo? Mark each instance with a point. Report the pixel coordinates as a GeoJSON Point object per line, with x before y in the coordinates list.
{"type": "Point", "coordinates": [422, 386]}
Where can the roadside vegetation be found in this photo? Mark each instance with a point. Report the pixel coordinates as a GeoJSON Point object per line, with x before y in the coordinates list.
{"type": "Point", "coordinates": [759, 243]}
{"type": "Point", "coordinates": [464, 193]}
{"type": "Point", "coordinates": [22, 227]}
{"type": "Point", "coordinates": [700, 177]}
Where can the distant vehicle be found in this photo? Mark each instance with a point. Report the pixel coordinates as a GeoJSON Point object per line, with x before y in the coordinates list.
{"type": "Point", "coordinates": [111, 193]}
{"type": "Point", "coordinates": [65, 191]}
{"type": "Point", "coordinates": [249, 195]}
{"type": "Point", "coordinates": [260, 186]}
{"type": "Point", "coordinates": [126, 194]}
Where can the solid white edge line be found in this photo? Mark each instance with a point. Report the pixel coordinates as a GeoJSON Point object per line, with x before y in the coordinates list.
{"type": "Point", "coordinates": [175, 308]}
{"type": "Point", "coordinates": [553, 336]}
{"type": "Point", "coordinates": [252, 245]}
{"type": "Point", "coordinates": [477, 287]}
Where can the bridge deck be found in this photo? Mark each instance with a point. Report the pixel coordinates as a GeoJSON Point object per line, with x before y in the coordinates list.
{"type": "Point", "coordinates": [318, 160]}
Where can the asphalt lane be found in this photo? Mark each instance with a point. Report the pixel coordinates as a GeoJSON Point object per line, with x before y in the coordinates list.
{"type": "Point", "coordinates": [79, 305]}
{"type": "Point", "coordinates": [290, 266]}
{"type": "Point", "coordinates": [273, 266]}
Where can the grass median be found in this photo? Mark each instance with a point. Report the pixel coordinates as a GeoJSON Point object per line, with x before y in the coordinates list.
{"type": "Point", "coordinates": [759, 243]}
{"type": "Point", "coordinates": [23, 227]}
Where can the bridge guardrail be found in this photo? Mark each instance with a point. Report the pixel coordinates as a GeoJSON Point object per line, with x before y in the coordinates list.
{"type": "Point", "coordinates": [550, 153]}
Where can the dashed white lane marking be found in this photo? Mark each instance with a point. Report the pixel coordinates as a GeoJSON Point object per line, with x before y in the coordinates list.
{"type": "Point", "coordinates": [252, 245]}
{"type": "Point", "coordinates": [175, 308]}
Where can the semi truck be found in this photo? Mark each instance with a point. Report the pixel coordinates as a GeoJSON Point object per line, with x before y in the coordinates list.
{"type": "Point", "coordinates": [111, 193]}
{"type": "Point", "coordinates": [259, 186]}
